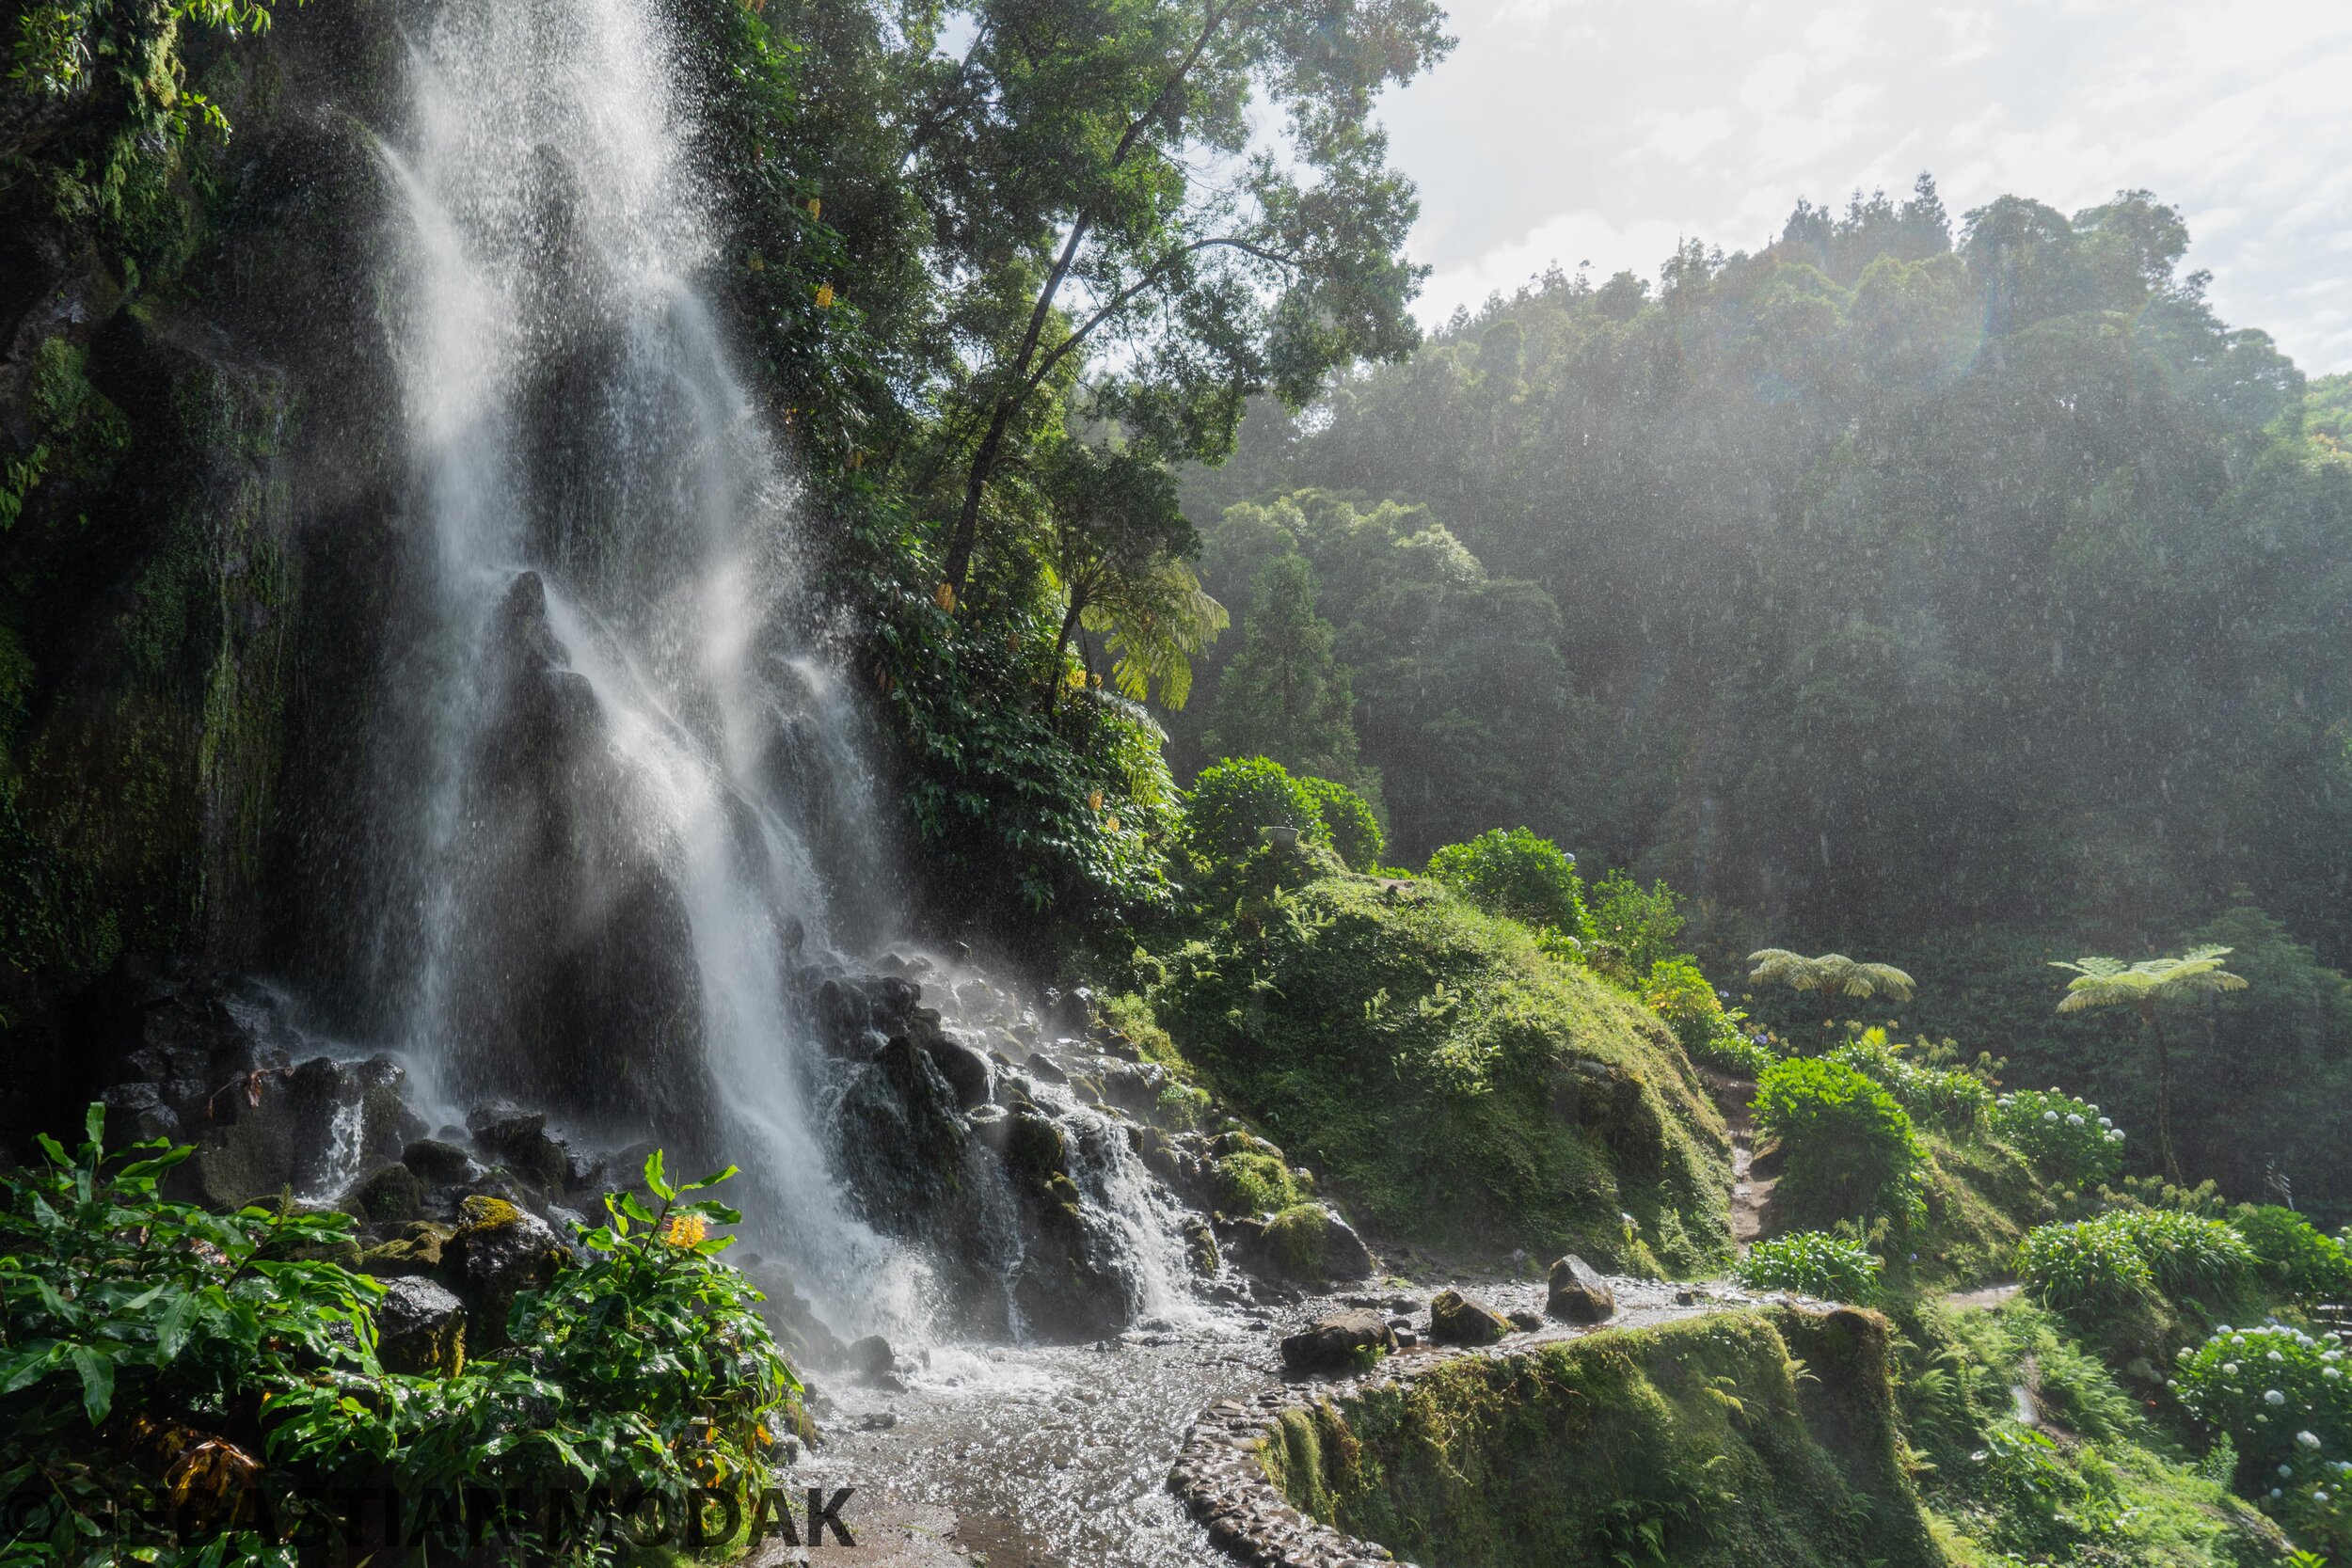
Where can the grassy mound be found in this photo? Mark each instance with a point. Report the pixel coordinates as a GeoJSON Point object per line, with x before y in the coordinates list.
{"type": "Point", "coordinates": [1451, 1082]}
{"type": "Point", "coordinates": [1760, 1440]}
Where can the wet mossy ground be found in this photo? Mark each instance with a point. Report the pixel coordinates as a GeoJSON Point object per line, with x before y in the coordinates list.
{"type": "Point", "coordinates": [1755, 1439]}
{"type": "Point", "coordinates": [1451, 1084]}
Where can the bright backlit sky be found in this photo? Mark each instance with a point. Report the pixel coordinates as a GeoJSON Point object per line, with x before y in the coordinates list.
{"type": "Point", "coordinates": [1601, 131]}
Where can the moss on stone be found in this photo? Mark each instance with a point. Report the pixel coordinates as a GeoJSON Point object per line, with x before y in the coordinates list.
{"type": "Point", "coordinates": [1449, 1081]}
{"type": "Point", "coordinates": [1694, 1443]}
{"type": "Point", "coordinates": [1254, 1183]}
{"type": "Point", "coordinates": [1293, 1241]}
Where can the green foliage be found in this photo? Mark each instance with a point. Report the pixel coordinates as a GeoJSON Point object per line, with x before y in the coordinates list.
{"type": "Point", "coordinates": [1953, 1099]}
{"type": "Point", "coordinates": [1814, 1262]}
{"type": "Point", "coordinates": [2265, 1387]}
{"type": "Point", "coordinates": [1348, 822]}
{"type": "Point", "coordinates": [1249, 1182]}
{"type": "Point", "coordinates": [2116, 1259]}
{"type": "Point", "coordinates": [1640, 927]}
{"type": "Point", "coordinates": [158, 1360]}
{"type": "Point", "coordinates": [1849, 1149]}
{"type": "Point", "coordinates": [2295, 1258]}
{"type": "Point", "coordinates": [1514, 874]}
{"type": "Point", "coordinates": [1441, 1075]}
{"type": "Point", "coordinates": [1233, 799]}
{"type": "Point", "coordinates": [1068, 807]}
{"type": "Point", "coordinates": [2067, 1139]}
{"type": "Point", "coordinates": [1284, 695]}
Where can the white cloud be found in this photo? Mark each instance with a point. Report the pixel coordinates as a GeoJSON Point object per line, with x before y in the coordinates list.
{"type": "Point", "coordinates": [1564, 130]}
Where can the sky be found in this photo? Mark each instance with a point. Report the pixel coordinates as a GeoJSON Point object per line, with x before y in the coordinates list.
{"type": "Point", "coordinates": [1604, 130]}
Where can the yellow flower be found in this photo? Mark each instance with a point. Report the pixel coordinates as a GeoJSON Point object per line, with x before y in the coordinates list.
{"type": "Point", "coordinates": [685, 1230]}
{"type": "Point", "coordinates": [815, 207]}
{"type": "Point", "coordinates": [761, 1428]}
{"type": "Point", "coordinates": [945, 596]}
{"type": "Point", "coordinates": [1077, 679]}
{"type": "Point", "coordinates": [1094, 801]}
{"type": "Point", "coordinates": [824, 296]}
{"type": "Point", "coordinates": [1112, 824]}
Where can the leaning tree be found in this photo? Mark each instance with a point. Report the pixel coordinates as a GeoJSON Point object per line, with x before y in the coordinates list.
{"type": "Point", "coordinates": [2111, 982]}
{"type": "Point", "coordinates": [1829, 976]}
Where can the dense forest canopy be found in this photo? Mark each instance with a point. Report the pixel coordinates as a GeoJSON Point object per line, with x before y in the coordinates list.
{"type": "Point", "coordinates": [1972, 595]}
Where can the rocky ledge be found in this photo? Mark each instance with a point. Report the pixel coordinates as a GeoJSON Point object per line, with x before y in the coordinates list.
{"type": "Point", "coordinates": [1219, 1475]}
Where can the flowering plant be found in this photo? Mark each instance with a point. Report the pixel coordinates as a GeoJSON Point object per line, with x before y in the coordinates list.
{"type": "Point", "coordinates": [2066, 1137]}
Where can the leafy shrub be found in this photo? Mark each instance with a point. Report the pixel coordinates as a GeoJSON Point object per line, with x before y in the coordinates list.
{"type": "Point", "coordinates": [1947, 1097]}
{"type": "Point", "coordinates": [1640, 926]}
{"type": "Point", "coordinates": [1680, 996]}
{"type": "Point", "coordinates": [1814, 1263]}
{"type": "Point", "coordinates": [2119, 1258]}
{"type": "Point", "coordinates": [1847, 1145]}
{"type": "Point", "coordinates": [2267, 1387]}
{"type": "Point", "coordinates": [2292, 1256]}
{"type": "Point", "coordinates": [1347, 821]}
{"type": "Point", "coordinates": [2066, 1139]}
{"type": "Point", "coordinates": [2188, 1254]}
{"type": "Point", "coordinates": [2087, 1264]}
{"type": "Point", "coordinates": [1514, 873]}
{"type": "Point", "coordinates": [1232, 799]}
{"type": "Point", "coordinates": [157, 1354]}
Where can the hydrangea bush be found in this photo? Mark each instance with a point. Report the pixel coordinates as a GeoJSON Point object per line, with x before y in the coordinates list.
{"type": "Point", "coordinates": [2282, 1396]}
{"type": "Point", "coordinates": [1814, 1263]}
{"type": "Point", "coordinates": [1945, 1096]}
{"type": "Point", "coordinates": [2067, 1138]}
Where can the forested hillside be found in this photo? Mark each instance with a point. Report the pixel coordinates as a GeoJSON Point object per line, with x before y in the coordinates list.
{"type": "Point", "coordinates": [1967, 594]}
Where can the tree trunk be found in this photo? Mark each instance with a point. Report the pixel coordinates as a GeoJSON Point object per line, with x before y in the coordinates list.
{"type": "Point", "coordinates": [2164, 1097]}
{"type": "Point", "coordinates": [975, 485]}
{"type": "Point", "coordinates": [1069, 625]}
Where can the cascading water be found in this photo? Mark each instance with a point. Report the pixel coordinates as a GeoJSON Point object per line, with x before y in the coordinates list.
{"type": "Point", "coordinates": [614, 887]}
{"type": "Point", "coordinates": [645, 827]}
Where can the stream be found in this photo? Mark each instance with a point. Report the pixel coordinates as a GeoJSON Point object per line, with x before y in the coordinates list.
{"type": "Point", "coordinates": [1041, 1457]}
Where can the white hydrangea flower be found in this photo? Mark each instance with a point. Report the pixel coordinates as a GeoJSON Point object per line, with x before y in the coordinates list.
{"type": "Point", "coordinates": [2272, 1395]}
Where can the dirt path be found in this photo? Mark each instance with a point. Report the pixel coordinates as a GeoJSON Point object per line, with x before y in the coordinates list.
{"type": "Point", "coordinates": [1750, 1193]}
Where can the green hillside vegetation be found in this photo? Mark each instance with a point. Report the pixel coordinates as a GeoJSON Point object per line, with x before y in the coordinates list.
{"type": "Point", "coordinates": [1452, 1081]}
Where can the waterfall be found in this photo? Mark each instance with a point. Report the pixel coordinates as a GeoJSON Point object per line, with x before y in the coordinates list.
{"type": "Point", "coordinates": [614, 888]}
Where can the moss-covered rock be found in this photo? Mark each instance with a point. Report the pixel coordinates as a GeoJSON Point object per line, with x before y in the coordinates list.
{"type": "Point", "coordinates": [1451, 1081]}
{"type": "Point", "coordinates": [385, 1196]}
{"type": "Point", "coordinates": [1455, 1318]}
{"type": "Point", "coordinates": [1697, 1443]}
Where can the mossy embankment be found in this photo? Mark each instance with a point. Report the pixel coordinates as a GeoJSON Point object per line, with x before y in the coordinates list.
{"type": "Point", "coordinates": [1451, 1082]}
{"type": "Point", "coordinates": [1760, 1440]}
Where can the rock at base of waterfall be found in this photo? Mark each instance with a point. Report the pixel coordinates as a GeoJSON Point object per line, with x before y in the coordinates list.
{"type": "Point", "coordinates": [387, 1194]}
{"type": "Point", "coordinates": [965, 1068]}
{"type": "Point", "coordinates": [417, 1250]}
{"type": "Point", "coordinates": [436, 1163]}
{"type": "Point", "coordinates": [421, 1328]}
{"type": "Point", "coordinates": [1201, 1245]}
{"type": "Point", "coordinates": [519, 1140]}
{"type": "Point", "coordinates": [1578, 1293]}
{"type": "Point", "coordinates": [501, 1251]}
{"type": "Point", "coordinates": [1456, 1319]}
{"type": "Point", "coordinates": [1337, 1343]}
{"type": "Point", "coordinates": [1307, 1243]}
{"type": "Point", "coordinates": [871, 1358]}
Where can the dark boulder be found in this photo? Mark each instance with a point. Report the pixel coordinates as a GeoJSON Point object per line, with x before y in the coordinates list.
{"type": "Point", "coordinates": [871, 1358]}
{"type": "Point", "coordinates": [499, 1252]}
{"type": "Point", "coordinates": [965, 1068]}
{"type": "Point", "coordinates": [385, 1196]}
{"type": "Point", "coordinates": [436, 1163]}
{"type": "Point", "coordinates": [1455, 1318]}
{"type": "Point", "coordinates": [1337, 1343]}
{"type": "Point", "coordinates": [421, 1328]}
{"type": "Point", "coordinates": [1578, 1293]}
{"type": "Point", "coordinates": [520, 1141]}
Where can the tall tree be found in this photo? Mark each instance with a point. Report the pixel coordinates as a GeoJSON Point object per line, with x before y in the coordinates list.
{"type": "Point", "coordinates": [1092, 169]}
{"type": "Point", "coordinates": [1285, 696]}
{"type": "Point", "coordinates": [2112, 983]}
{"type": "Point", "coordinates": [1829, 976]}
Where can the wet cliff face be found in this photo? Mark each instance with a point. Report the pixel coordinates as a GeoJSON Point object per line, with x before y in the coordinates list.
{"type": "Point", "coordinates": [199, 576]}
